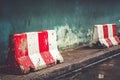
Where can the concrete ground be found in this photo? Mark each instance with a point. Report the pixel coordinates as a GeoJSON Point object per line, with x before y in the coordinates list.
{"type": "Point", "coordinates": [74, 58]}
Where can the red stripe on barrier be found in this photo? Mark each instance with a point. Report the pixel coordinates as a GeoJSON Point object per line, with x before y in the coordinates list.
{"type": "Point", "coordinates": [114, 30]}
{"type": "Point", "coordinates": [115, 33]}
{"type": "Point", "coordinates": [21, 51]}
{"type": "Point", "coordinates": [105, 31]}
{"type": "Point", "coordinates": [44, 48]}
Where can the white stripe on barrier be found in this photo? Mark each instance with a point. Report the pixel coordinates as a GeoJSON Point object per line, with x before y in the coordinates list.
{"type": "Point", "coordinates": [111, 37]}
{"type": "Point", "coordinates": [33, 50]}
{"type": "Point", "coordinates": [53, 46]}
{"type": "Point", "coordinates": [95, 35]}
{"type": "Point", "coordinates": [103, 42]}
{"type": "Point", "coordinates": [101, 35]}
{"type": "Point", "coordinates": [100, 31]}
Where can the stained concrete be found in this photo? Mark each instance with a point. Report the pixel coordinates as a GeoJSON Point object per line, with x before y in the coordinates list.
{"type": "Point", "coordinates": [74, 58]}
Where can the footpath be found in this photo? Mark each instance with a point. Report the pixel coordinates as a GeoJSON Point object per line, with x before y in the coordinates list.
{"type": "Point", "coordinates": [74, 58]}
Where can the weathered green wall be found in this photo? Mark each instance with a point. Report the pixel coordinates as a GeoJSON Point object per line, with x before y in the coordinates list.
{"type": "Point", "coordinates": [73, 20]}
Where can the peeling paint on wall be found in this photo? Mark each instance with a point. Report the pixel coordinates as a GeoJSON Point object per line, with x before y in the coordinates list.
{"type": "Point", "coordinates": [68, 37]}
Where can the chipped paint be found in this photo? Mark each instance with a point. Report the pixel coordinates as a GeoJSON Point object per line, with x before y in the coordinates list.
{"type": "Point", "coordinates": [23, 45]}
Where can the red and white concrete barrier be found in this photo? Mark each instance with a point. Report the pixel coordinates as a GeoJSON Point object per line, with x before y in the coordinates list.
{"type": "Point", "coordinates": [106, 34]}
{"type": "Point", "coordinates": [33, 50]}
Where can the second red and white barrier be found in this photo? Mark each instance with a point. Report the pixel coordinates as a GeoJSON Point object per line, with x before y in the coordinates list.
{"type": "Point", "coordinates": [106, 34]}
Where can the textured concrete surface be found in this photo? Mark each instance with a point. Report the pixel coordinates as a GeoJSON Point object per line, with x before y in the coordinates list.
{"type": "Point", "coordinates": [74, 58]}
